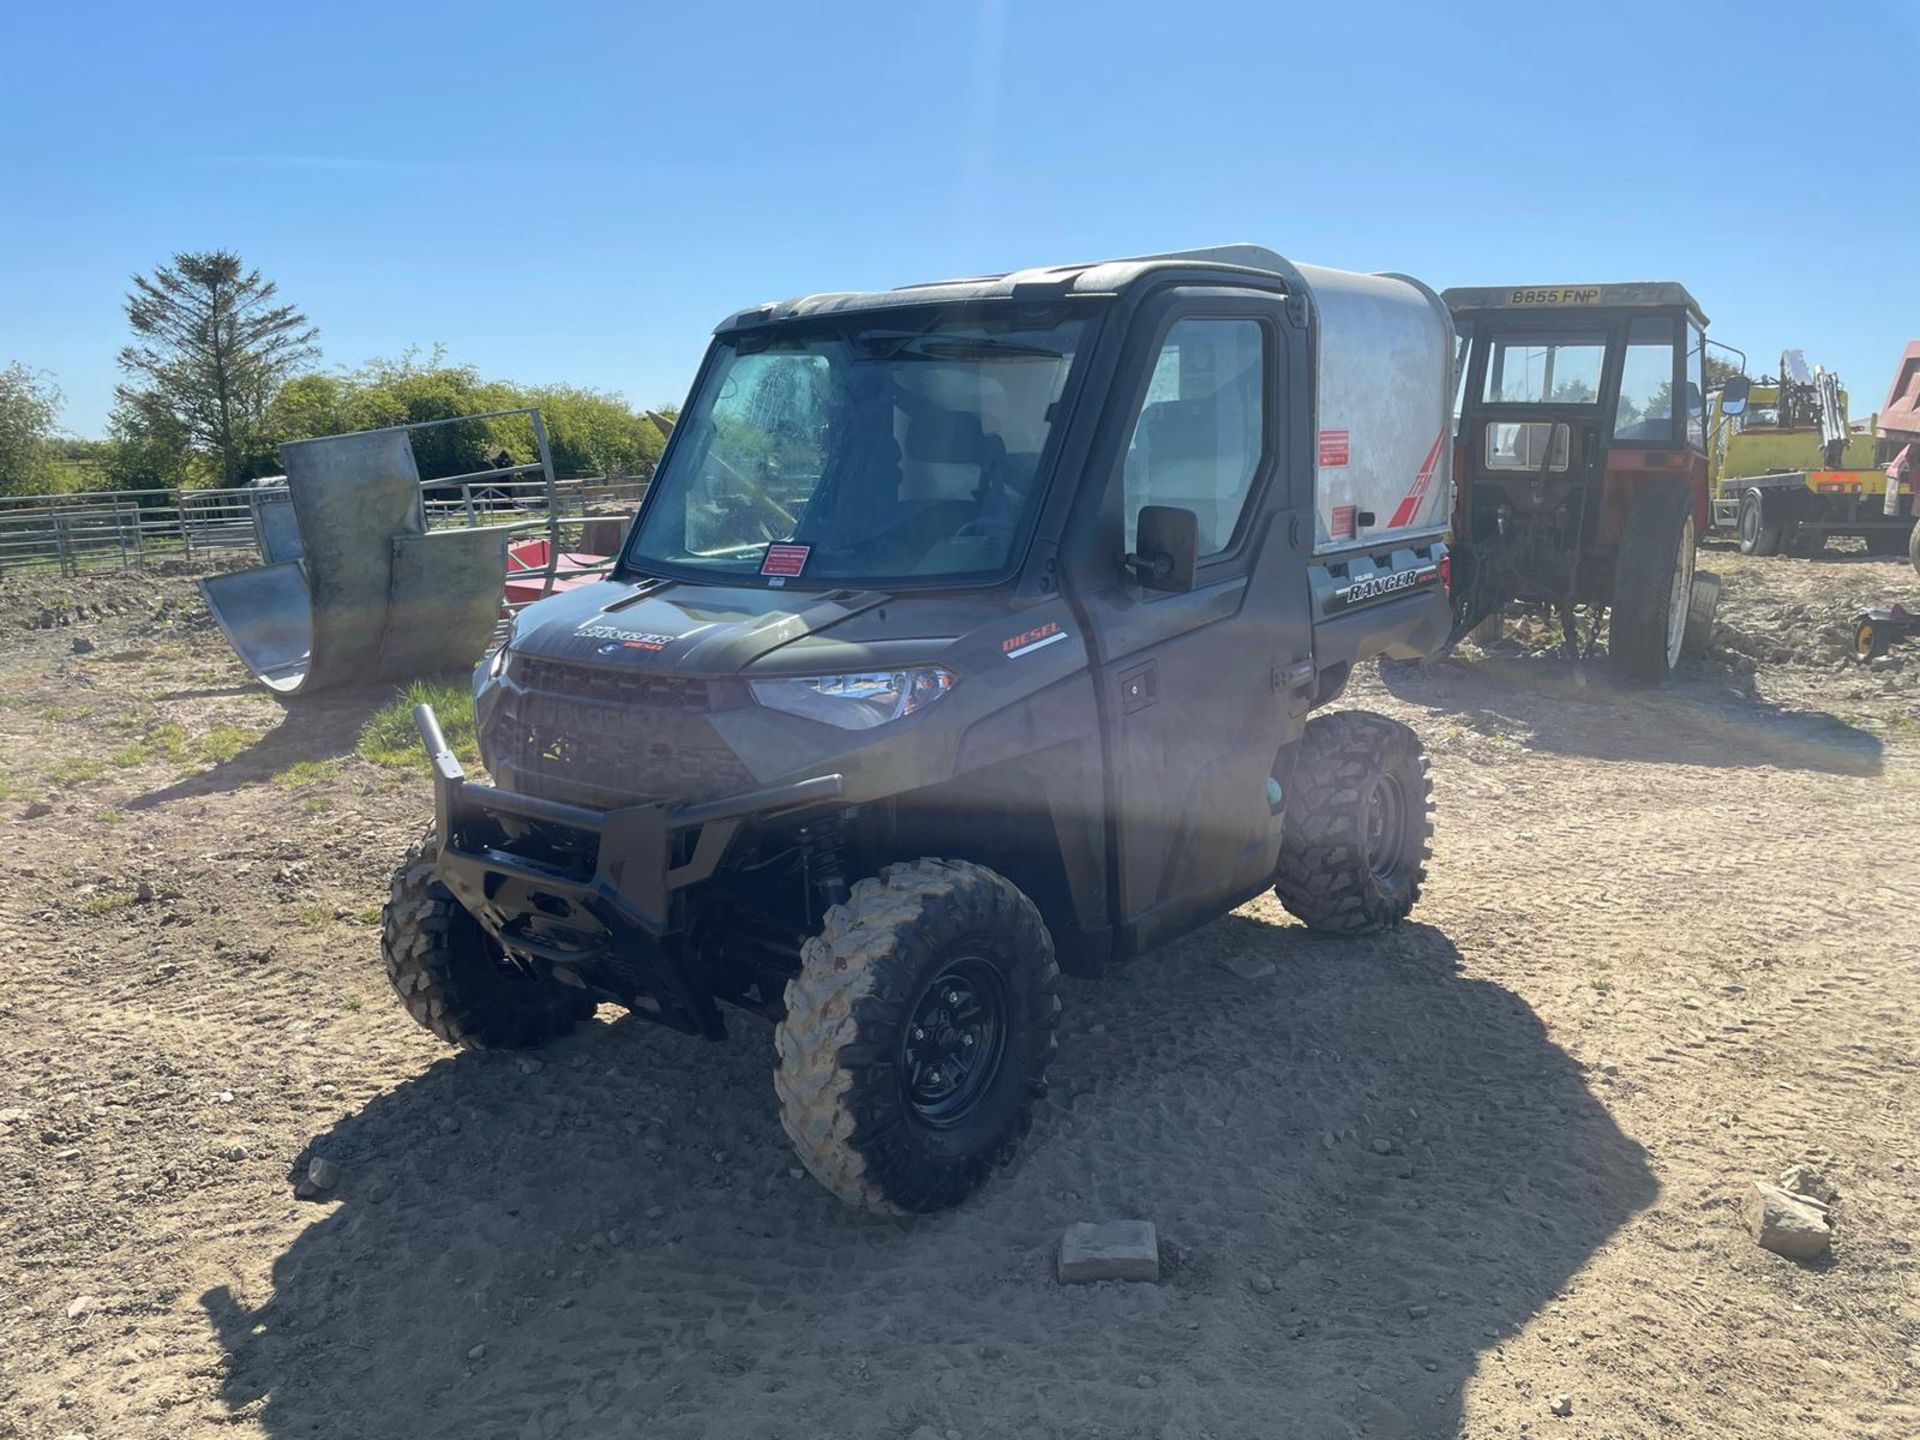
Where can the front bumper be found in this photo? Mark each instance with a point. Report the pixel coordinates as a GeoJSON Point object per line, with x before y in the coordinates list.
{"type": "Point", "coordinates": [597, 906]}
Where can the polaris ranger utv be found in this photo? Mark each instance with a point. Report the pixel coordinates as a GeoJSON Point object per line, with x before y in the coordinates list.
{"type": "Point", "coordinates": [967, 632]}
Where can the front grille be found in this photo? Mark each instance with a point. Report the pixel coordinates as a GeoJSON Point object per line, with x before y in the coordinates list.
{"type": "Point", "coordinates": [620, 687]}
{"type": "Point", "coordinates": [604, 739]}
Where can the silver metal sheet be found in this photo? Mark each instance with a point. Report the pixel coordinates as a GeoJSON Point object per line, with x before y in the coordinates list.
{"type": "Point", "coordinates": [373, 596]}
{"type": "Point", "coordinates": [267, 616]}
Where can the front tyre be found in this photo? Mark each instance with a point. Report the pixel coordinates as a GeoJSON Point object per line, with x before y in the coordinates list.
{"type": "Point", "coordinates": [1359, 825]}
{"type": "Point", "coordinates": [917, 1036]}
{"type": "Point", "coordinates": [455, 980]}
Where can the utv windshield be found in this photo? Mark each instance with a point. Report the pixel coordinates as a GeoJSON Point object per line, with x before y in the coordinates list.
{"type": "Point", "coordinates": [900, 447]}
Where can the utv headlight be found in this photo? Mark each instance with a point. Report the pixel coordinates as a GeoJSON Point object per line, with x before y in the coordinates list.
{"type": "Point", "coordinates": [856, 702]}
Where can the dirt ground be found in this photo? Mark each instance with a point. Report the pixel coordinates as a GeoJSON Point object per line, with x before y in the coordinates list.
{"type": "Point", "coordinates": [1669, 944]}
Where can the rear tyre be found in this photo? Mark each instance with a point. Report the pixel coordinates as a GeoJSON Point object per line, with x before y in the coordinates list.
{"type": "Point", "coordinates": [1755, 538]}
{"type": "Point", "coordinates": [1652, 587]}
{"type": "Point", "coordinates": [455, 980]}
{"type": "Point", "coordinates": [1359, 825]}
{"type": "Point", "coordinates": [1803, 543]}
{"type": "Point", "coordinates": [917, 1036]}
{"type": "Point", "coordinates": [1704, 605]}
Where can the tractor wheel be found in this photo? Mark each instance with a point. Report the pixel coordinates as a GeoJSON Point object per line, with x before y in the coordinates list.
{"type": "Point", "coordinates": [1869, 640]}
{"type": "Point", "coordinates": [917, 1036]}
{"type": "Point", "coordinates": [456, 980]}
{"type": "Point", "coordinates": [1755, 538]}
{"type": "Point", "coordinates": [1704, 605]}
{"type": "Point", "coordinates": [1886, 543]}
{"type": "Point", "coordinates": [1913, 547]}
{"type": "Point", "coordinates": [1359, 825]}
{"type": "Point", "coordinates": [1652, 587]}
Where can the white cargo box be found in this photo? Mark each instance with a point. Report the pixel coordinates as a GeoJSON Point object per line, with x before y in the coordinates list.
{"type": "Point", "coordinates": [1383, 400]}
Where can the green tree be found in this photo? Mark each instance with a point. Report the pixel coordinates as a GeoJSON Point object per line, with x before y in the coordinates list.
{"type": "Point", "coordinates": [211, 349]}
{"type": "Point", "coordinates": [29, 414]}
{"type": "Point", "coordinates": [591, 432]}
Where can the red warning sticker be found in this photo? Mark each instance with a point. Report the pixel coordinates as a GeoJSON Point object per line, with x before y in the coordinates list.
{"type": "Point", "coordinates": [1333, 448]}
{"type": "Point", "coordinates": [785, 559]}
{"type": "Point", "coordinates": [1341, 526]}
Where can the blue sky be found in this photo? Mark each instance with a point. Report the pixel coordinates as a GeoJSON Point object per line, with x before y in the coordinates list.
{"type": "Point", "coordinates": [578, 192]}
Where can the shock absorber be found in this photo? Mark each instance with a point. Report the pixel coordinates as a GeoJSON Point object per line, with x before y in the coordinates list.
{"type": "Point", "coordinates": [823, 865]}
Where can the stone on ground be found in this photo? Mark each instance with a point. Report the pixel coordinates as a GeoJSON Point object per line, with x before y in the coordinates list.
{"type": "Point", "coordinates": [322, 1173]}
{"type": "Point", "coordinates": [1245, 967]}
{"type": "Point", "coordinates": [1116, 1250]}
{"type": "Point", "coordinates": [1806, 1181]}
{"type": "Point", "coordinates": [1786, 1223]}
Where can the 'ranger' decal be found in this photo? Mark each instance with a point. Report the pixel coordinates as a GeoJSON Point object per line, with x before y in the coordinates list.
{"type": "Point", "coordinates": [1379, 586]}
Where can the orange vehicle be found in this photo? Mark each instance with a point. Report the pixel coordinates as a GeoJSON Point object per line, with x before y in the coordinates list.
{"type": "Point", "coordinates": [1580, 461]}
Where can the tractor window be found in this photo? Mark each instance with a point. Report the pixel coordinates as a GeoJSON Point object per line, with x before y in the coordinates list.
{"type": "Point", "coordinates": [1696, 388]}
{"type": "Point", "coordinates": [1197, 441]}
{"type": "Point", "coordinates": [1530, 445]}
{"type": "Point", "coordinates": [1645, 411]}
{"type": "Point", "coordinates": [1537, 366]}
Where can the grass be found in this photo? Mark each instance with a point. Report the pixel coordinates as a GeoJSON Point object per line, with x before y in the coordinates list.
{"type": "Point", "coordinates": [369, 916]}
{"type": "Point", "coordinates": [107, 904]}
{"type": "Point", "coordinates": [306, 772]}
{"type": "Point", "coordinates": [389, 738]}
{"type": "Point", "coordinates": [315, 917]}
{"type": "Point", "coordinates": [317, 804]}
{"type": "Point", "coordinates": [223, 742]}
{"type": "Point", "coordinates": [76, 770]}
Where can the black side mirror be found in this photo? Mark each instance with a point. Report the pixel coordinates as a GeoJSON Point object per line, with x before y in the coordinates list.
{"type": "Point", "coordinates": [1733, 394]}
{"type": "Point", "coordinates": [1169, 548]}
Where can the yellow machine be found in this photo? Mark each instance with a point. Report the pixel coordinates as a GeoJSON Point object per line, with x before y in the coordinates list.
{"type": "Point", "coordinates": [1786, 469]}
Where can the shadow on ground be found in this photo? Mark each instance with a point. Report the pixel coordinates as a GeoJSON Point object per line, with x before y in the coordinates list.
{"type": "Point", "coordinates": [317, 728]}
{"type": "Point", "coordinates": [611, 1242]}
{"type": "Point", "coordinates": [1711, 715]}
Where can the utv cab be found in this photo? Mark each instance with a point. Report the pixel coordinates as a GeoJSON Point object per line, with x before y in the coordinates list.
{"type": "Point", "coordinates": [966, 633]}
{"type": "Point", "coordinates": [1581, 462]}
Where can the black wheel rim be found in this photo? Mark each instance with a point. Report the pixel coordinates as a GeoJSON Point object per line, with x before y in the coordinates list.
{"type": "Point", "coordinates": [1386, 835]}
{"type": "Point", "coordinates": [955, 1041]}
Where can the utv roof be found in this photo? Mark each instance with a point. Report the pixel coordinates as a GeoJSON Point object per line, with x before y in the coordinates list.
{"type": "Point", "coordinates": [1627, 295]}
{"type": "Point", "coordinates": [1099, 277]}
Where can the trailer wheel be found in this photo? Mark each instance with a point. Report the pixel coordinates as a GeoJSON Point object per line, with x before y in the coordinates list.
{"type": "Point", "coordinates": [1869, 640]}
{"type": "Point", "coordinates": [1652, 587]}
{"type": "Point", "coordinates": [455, 980]}
{"type": "Point", "coordinates": [917, 1036]}
{"type": "Point", "coordinates": [1756, 538]}
{"type": "Point", "coordinates": [1359, 825]}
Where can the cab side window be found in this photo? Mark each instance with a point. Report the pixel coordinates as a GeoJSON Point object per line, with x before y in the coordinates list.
{"type": "Point", "coordinates": [1197, 440]}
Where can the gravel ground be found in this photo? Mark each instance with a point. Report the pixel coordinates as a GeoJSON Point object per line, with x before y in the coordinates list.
{"type": "Point", "coordinates": [1434, 1183]}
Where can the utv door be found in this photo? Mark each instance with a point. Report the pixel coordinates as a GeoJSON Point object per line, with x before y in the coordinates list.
{"type": "Point", "coordinates": [1204, 692]}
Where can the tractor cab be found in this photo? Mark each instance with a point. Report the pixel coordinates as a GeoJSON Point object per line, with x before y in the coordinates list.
{"type": "Point", "coordinates": [1576, 408]}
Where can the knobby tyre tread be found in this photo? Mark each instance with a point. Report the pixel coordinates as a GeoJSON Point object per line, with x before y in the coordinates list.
{"type": "Point", "coordinates": [842, 1102]}
{"type": "Point", "coordinates": [1324, 876]}
{"type": "Point", "coordinates": [451, 978]}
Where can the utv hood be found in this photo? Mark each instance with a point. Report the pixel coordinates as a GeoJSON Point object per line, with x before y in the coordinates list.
{"type": "Point", "coordinates": [668, 625]}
